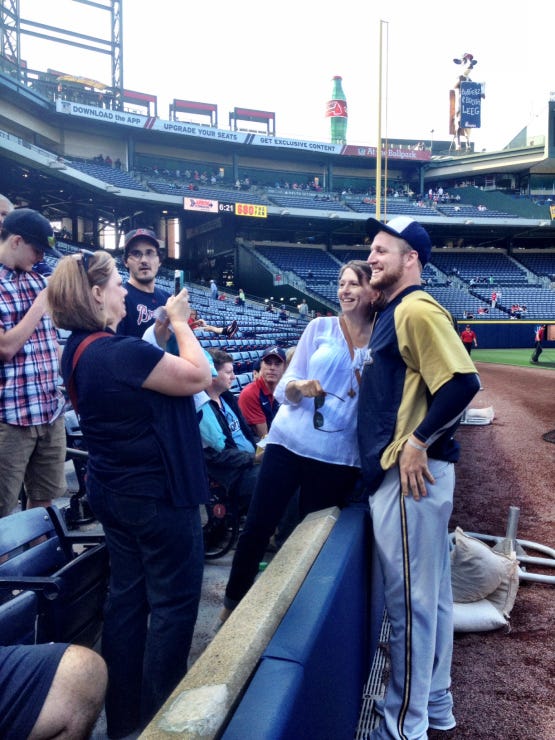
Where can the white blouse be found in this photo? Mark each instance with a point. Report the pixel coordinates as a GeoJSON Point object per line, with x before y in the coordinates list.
{"type": "Point", "coordinates": [321, 354]}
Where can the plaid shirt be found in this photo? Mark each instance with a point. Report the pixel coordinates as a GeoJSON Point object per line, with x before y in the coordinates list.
{"type": "Point", "coordinates": [29, 381]}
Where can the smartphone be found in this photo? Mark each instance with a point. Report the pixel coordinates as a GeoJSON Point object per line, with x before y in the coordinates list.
{"type": "Point", "coordinates": [177, 281]}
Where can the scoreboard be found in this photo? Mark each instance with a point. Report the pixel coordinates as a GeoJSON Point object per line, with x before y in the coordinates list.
{"type": "Point", "coordinates": [207, 205]}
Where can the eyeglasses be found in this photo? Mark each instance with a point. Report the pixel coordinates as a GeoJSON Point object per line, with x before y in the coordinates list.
{"type": "Point", "coordinates": [318, 418]}
{"type": "Point", "coordinates": [136, 254]}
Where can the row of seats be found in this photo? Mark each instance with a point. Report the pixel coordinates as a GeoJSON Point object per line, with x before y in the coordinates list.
{"type": "Point", "coordinates": [111, 175]}
{"type": "Point", "coordinates": [495, 269]}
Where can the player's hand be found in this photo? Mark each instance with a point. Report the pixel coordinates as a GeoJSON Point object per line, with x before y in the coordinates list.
{"type": "Point", "coordinates": [414, 472]}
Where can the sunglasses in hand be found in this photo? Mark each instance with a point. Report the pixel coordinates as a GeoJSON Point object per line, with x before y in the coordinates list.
{"type": "Point", "coordinates": [318, 418]}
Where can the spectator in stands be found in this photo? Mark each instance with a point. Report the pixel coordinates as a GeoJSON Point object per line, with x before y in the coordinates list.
{"type": "Point", "coordinates": [241, 298]}
{"type": "Point", "coordinates": [146, 479]}
{"type": "Point", "coordinates": [303, 307]}
{"type": "Point", "coordinates": [229, 331]}
{"type": "Point", "coordinates": [283, 314]}
{"type": "Point", "coordinates": [160, 333]}
{"type": "Point", "coordinates": [32, 428]}
{"type": "Point", "coordinates": [213, 290]}
{"type": "Point", "coordinates": [469, 338]}
{"type": "Point", "coordinates": [6, 206]}
{"type": "Point", "coordinates": [256, 399]}
{"type": "Point", "coordinates": [143, 258]}
{"type": "Point", "coordinates": [50, 690]}
{"type": "Point", "coordinates": [228, 442]}
{"type": "Point", "coordinates": [312, 444]}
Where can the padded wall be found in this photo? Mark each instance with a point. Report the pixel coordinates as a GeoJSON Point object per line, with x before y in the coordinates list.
{"type": "Point", "coordinates": [311, 676]}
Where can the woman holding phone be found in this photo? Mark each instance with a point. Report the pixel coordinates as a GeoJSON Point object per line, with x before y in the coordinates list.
{"type": "Point", "coordinates": [137, 416]}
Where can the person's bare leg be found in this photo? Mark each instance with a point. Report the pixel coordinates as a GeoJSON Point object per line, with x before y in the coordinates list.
{"type": "Point", "coordinates": [213, 329]}
{"type": "Point", "coordinates": [75, 698]}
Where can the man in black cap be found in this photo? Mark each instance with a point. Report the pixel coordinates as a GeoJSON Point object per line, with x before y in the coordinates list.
{"type": "Point", "coordinates": [417, 380]}
{"type": "Point", "coordinates": [32, 429]}
{"type": "Point", "coordinates": [256, 400]}
{"type": "Point", "coordinates": [143, 259]}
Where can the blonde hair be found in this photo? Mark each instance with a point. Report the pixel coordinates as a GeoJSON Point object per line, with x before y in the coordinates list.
{"type": "Point", "coordinates": [70, 297]}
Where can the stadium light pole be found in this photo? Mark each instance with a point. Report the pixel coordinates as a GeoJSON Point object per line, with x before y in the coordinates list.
{"type": "Point", "coordinates": [379, 148]}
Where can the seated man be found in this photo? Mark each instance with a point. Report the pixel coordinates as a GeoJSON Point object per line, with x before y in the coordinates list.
{"type": "Point", "coordinates": [229, 331]}
{"type": "Point", "coordinates": [50, 690]}
{"type": "Point", "coordinates": [256, 399]}
{"type": "Point", "coordinates": [229, 446]}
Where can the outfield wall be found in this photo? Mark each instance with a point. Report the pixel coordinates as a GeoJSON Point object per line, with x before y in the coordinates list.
{"type": "Point", "coordinates": [511, 334]}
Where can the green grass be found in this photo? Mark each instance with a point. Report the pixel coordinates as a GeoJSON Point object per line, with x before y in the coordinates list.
{"type": "Point", "coordinates": [518, 357]}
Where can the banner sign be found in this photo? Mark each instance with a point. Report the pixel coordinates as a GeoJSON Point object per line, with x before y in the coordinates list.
{"type": "Point", "coordinates": [471, 104]}
{"type": "Point", "coordinates": [200, 204]}
{"type": "Point", "coordinates": [251, 209]}
{"type": "Point", "coordinates": [181, 128]}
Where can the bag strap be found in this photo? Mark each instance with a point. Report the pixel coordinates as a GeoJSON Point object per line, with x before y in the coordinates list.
{"type": "Point", "coordinates": [349, 341]}
{"type": "Point", "coordinates": [81, 347]}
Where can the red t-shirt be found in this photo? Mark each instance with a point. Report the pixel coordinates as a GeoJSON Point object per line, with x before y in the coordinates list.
{"type": "Point", "coordinates": [249, 401]}
{"type": "Point", "coordinates": [468, 336]}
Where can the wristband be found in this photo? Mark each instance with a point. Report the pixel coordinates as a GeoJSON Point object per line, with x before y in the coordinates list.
{"type": "Point", "coordinates": [416, 446]}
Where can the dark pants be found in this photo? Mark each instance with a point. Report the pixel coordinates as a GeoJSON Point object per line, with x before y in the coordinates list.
{"type": "Point", "coordinates": [156, 560]}
{"type": "Point", "coordinates": [282, 472]}
{"type": "Point", "coordinates": [538, 349]}
{"type": "Point", "coordinates": [468, 346]}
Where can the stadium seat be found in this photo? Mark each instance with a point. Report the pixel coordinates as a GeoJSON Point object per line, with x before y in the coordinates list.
{"type": "Point", "coordinates": [67, 571]}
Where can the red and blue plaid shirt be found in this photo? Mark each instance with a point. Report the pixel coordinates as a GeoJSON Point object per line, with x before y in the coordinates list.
{"type": "Point", "coordinates": [29, 381]}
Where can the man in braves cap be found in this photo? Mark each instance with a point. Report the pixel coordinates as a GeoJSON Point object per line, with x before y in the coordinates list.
{"type": "Point", "coordinates": [256, 400]}
{"type": "Point", "coordinates": [32, 429]}
{"type": "Point", "coordinates": [143, 257]}
{"type": "Point", "coordinates": [417, 380]}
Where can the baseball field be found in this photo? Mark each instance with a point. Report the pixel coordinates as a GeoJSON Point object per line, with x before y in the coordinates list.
{"type": "Point", "coordinates": [517, 357]}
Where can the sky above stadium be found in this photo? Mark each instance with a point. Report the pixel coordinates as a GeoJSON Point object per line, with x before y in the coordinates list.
{"type": "Point", "coordinates": [281, 57]}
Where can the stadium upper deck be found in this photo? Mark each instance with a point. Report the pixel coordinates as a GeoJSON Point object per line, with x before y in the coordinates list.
{"type": "Point", "coordinates": [43, 145]}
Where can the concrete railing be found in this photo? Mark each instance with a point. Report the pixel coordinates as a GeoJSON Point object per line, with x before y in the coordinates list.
{"type": "Point", "coordinates": [203, 701]}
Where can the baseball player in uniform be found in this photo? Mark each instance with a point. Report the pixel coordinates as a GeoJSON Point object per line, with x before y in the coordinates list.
{"type": "Point", "coordinates": [416, 382]}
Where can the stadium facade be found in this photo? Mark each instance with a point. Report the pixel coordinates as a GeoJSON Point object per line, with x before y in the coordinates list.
{"type": "Point", "coordinates": [99, 160]}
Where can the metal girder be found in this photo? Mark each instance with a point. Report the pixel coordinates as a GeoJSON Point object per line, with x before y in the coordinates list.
{"type": "Point", "coordinates": [9, 30]}
{"type": "Point", "coordinates": [13, 27]}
